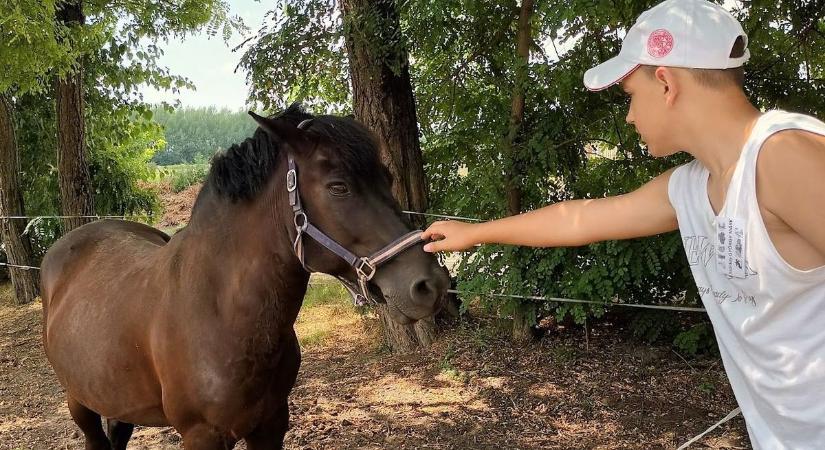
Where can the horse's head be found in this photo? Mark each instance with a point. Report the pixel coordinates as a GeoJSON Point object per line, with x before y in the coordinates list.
{"type": "Point", "coordinates": [344, 192]}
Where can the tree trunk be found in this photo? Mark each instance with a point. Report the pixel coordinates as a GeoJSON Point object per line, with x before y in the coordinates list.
{"type": "Point", "coordinates": [17, 245]}
{"type": "Point", "coordinates": [524, 313]}
{"type": "Point", "coordinates": [383, 100]}
{"type": "Point", "coordinates": [76, 197]}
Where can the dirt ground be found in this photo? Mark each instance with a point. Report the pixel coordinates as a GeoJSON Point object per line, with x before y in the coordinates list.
{"type": "Point", "coordinates": [472, 390]}
{"type": "Point", "coordinates": [176, 206]}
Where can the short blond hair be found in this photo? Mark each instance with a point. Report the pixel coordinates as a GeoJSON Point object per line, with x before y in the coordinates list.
{"type": "Point", "coordinates": [716, 78]}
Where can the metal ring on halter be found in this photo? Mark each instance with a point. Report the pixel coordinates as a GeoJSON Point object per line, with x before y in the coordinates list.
{"type": "Point", "coordinates": [304, 224]}
{"type": "Point", "coordinates": [360, 269]}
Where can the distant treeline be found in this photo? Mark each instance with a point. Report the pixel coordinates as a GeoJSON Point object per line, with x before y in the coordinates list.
{"type": "Point", "coordinates": [193, 135]}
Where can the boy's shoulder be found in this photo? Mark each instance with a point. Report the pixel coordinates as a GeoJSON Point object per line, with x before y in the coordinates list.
{"type": "Point", "coordinates": [787, 151]}
{"type": "Point", "coordinates": [790, 171]}
{"type": "Point", "coordinates": [793, 134]}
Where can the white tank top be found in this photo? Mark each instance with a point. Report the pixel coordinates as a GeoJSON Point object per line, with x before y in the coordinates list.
{"type": "Point", "coordinates": [768, 317]}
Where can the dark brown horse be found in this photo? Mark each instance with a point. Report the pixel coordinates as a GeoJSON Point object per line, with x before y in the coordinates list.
{"type": "Point", "coordinates": [196, 331]}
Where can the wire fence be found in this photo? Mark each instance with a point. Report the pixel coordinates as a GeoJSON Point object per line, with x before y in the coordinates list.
{"type": "Point", "coordinates": [453, 291]}
{"type": "Point", "coordinates": [131, 216]}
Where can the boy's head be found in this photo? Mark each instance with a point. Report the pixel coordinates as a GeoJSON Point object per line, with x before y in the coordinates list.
{"type": "Point", "coordinates": [685, 50]}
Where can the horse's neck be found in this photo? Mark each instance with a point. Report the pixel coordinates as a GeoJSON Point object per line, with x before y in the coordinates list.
{"type": "Point", "coordinates": [246, 251]}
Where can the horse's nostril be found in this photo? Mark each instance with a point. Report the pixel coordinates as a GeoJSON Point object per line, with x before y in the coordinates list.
{"type": "Point", "coordinates": [423, 290]}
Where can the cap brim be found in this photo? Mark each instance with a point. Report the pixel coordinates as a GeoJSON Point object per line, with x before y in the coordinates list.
{"type": "Point", "coordinates": [608, 73]}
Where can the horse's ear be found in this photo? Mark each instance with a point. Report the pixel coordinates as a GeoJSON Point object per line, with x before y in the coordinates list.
{"type": "Point", "coordinates": [277, 129]}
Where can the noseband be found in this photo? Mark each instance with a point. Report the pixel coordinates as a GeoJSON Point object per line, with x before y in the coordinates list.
{"type": "Point", "coordinates": [365, 266]}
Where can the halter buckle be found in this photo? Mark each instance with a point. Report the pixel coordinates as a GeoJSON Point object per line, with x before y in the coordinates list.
{"type": "Point", "coordinates": [359, 269]}
{"type": "Point", "coordinates": [291, 180]}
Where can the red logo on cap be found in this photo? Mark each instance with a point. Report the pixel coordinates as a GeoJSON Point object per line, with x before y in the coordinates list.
{"type": "Point", "coordinates": [660, 43]}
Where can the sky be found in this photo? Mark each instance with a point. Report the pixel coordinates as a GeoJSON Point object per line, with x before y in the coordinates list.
{"type": "Point", "coordinates": [210, 63]}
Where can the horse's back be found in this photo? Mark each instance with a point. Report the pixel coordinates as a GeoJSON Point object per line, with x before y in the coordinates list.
{"type": "Point", "coordinates": [101, 242]}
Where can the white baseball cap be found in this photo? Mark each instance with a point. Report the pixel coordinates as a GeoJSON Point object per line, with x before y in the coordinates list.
{"type": "Point", "coordinates": [694, 34]}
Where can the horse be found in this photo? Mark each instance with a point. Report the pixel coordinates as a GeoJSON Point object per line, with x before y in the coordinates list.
{"type": "Point", "coordinates": [195, 331]}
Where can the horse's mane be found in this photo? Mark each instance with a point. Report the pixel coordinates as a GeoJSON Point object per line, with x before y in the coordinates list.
{"type": "Point", "coordinates": [242, 170]}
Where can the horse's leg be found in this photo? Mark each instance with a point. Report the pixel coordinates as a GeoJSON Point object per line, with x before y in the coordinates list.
{"type": "Point", "coordinates": [204, 437]}
{"type": "Point", "coordinates": [119, 433]}
{"type": "Point", "coordinates": [270, 435]}
{"type": "Point", "coordinates": [90, 425]}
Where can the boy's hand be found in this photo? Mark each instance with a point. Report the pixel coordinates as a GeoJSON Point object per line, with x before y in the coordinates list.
{"type": "Point", "coordinates": [449, 235]}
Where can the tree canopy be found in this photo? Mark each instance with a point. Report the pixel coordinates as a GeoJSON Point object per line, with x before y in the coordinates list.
{"type": "Point", "coordinates": [120, 45]}
{"type": "Point", "coordinates": [571, 143]}
{"type": "Point", "coordinates": [193, 135]}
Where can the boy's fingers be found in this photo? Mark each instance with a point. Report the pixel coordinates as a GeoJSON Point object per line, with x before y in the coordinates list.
{"type": "Point", "coordinates": [435, 246]}
{"type": "Point", "coordinates": [428, 232]}
{"type": "Point", "coordinates": [432, 230]}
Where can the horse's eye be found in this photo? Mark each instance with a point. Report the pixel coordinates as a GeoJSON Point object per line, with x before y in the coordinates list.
{"type": "Point", "coordinates": [339, 189]}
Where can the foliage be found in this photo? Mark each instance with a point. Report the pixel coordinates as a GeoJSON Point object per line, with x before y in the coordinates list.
{"type": "Point", "coordinates": [464, 121]}
{"type": "Point", "coordinates": [119, 49]}
{"type": "Point", "coordinates": [193, 135]}
{"type": "Point", "coordinates": [29, 45]}
{"type": "Point", "coordinates": [184, 175]}
{"type": "Point", "coordinates": [119, 152]}
{"type": "Point", "coordinates": [573, 144]}
{"type": "Point", "coordinates": [696, 338]}
{"type": "Point", "coordinates": [464, 70]}
{"type": "Point", "coordinates": [300, 57]}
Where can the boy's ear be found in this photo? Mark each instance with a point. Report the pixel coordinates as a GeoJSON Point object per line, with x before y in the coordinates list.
{"type": "Point", "coordinates": [668, 81]}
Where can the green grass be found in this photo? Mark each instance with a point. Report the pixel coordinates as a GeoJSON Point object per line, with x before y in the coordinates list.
{"type": "Point", "coordinates": [707, 384]}
{"type": "Point", "coordinates": [326, 314]}
{"type": "Point", "coordinates": [314, 339]}
{"type": "Point", "coordinates": [448, 369]}
{"type": "Point", "coordinates": [181, 176]}
{"type": "Point", "coordinates": [325, 293]}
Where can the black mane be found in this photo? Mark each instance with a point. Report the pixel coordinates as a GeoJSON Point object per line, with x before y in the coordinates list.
{"type": "Point", "coordinates": [242, 170]}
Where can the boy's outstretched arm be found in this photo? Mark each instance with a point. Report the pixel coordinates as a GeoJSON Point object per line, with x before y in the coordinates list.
{"type": "Point", "coordinates": [643, 212]}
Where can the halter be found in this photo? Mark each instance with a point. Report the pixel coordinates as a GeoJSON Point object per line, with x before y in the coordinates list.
{"type": "Point", "coordinates": [365, 267]}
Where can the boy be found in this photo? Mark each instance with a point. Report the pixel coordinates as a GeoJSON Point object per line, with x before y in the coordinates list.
{"type": "Point", "coordinates": [750, 209]}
